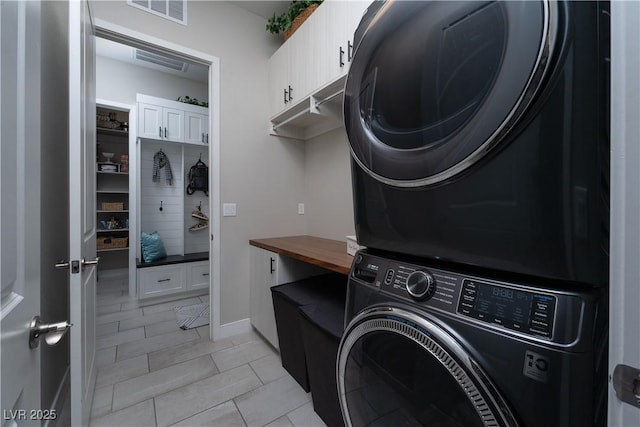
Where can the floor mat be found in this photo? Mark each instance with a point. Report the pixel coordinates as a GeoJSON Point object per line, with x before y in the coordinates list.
{"type": "Point", "coordinates": [192, 316]}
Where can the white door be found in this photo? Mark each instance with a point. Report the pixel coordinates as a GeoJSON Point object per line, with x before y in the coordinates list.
{"type": "Point", "coordinates": [20, 250]}
{"type": "Point", "coordinates": [82, 206]}
{"type": "Point", "coordinates": [624, 339]}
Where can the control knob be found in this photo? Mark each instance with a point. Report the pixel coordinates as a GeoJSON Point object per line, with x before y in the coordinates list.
{"type": "Point", "coordinates": [421, 285]}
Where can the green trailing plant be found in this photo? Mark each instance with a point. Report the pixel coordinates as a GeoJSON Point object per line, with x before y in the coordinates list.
{"type": "Point", "coordinates": [281, 23]}
{"type": "Point", "coordinates": [194, 101]}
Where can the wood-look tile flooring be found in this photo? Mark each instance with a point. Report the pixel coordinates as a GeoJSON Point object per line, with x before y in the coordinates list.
{"type": "Point", "coordinates": [152, 373]}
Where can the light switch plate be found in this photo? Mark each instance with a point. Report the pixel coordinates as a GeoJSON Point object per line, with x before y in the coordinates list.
{"type": "Point", "coordinates": [301, 208]}
{"type": "Point", "coordinates": [229, 209]}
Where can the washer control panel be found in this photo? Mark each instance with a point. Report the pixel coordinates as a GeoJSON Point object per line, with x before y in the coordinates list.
{"type": "Point", "coordinates": [523, 309]}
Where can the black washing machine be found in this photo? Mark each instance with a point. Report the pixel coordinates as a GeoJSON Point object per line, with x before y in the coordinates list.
{"type": "Point", "coordinates": [479, 135]}
{"type": "Point", "coordinates": [430, 347]}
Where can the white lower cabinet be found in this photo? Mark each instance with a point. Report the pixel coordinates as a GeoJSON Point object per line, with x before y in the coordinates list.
{"type": "Point", "coordinates": [162, 280]}
{"type": "Point", "coordinates": [269, 269]}
{"type": "Point", "coordinates": [197, 275]}
{"type": "Point", "coordinates": [173, 278]}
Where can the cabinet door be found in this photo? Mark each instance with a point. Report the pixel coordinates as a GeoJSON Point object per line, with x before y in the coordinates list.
{"type": "Point", "coordinates": [149, 121]}
{"type": "Point", "coordinates": [303, 55]}
{"type": "Point", "coordinates": [163, 280]}
{"type": "Point", "coordinates": [173, 121]}
{"type": "Point", "coordinates": [333, 50]}
{"type": "Point", "coordinates": [279, 80]}
{"type": "Point", "coordinates": [196, 128]}
{"type": "Point", "coordinates": [197, 275]}
{"type": "Point", "coordinates": [264, 275]}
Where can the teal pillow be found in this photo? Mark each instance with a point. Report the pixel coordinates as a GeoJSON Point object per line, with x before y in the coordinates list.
{"type": "Point", "coordinates": [152, 247]}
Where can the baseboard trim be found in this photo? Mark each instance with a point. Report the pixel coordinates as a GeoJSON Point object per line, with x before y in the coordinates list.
{"type": "Point", "coordinates": [57, 406]}
{"type": "Point", "coordinates": [234, 328]}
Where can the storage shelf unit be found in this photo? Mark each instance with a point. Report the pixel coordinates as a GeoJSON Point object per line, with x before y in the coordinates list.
{"type": "Point", "coordinates": [112, 188]}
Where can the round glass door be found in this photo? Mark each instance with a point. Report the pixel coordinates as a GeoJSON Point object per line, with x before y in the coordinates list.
{"type": "Point", "coordinates": [395, 369]}
{"type": "Point", "coordinates": [433, 86]}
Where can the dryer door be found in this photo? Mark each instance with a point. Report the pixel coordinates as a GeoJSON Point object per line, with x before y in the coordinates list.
{"type": "Point", "coordinates": [434, 86]}
{"type": "Point", "coordinates": [397, 368]}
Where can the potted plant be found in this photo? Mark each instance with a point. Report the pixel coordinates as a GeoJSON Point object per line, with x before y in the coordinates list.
{"type": "Point", "coordinates": [288, 22]}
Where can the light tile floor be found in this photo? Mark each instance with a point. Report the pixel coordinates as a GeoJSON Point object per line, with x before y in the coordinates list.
{"type": "Point", "coordinates": [152, 373]}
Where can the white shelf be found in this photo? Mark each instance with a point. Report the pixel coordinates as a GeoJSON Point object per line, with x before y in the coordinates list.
{"type": "Point", "coordinates": [112, 173]}
{"type": "Point", "coordinates": [113, 250]}
{"type": "Point", "coordinates": [108, 211]}
{"type": "Point", "coordinates": [114, 191]}
{"type": "Point", "coordinates": [112, 230]}
{"type": "Point", "coordinates": [313, 116]}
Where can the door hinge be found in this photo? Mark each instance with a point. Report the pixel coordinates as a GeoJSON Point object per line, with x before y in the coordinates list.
{"type": "Point", "coordinates": [626, 383]}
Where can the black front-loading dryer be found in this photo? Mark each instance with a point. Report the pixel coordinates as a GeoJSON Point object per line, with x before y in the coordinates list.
{"type": "Point", "coordinates": [430, 347]}
{"type": "Point", "coordinates": [478, 134]}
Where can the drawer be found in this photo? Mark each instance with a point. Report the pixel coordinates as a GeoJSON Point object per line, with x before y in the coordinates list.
{"type": "Point", "coordinates": [198, 275]}
{"type": "Point", "coordinates": [155, 281]}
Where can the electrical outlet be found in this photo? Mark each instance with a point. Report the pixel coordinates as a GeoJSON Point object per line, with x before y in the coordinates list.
{"type": "Point", "coordinates": [229, 209]}
{"type": "Point", "coordinates": [301, 208]}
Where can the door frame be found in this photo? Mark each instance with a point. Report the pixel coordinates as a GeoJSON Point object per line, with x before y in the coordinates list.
{"type": "Point", "coordinates": [128, 36]}
{"type": "Point", "coordinates": [624, 273]}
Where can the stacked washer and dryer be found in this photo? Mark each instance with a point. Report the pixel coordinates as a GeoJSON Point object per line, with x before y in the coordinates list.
{"type": "Point", "coordinates": [479, 142]}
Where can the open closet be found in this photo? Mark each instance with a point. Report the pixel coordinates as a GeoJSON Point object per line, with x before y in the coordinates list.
{"type": "Point", "coordinates": [172, 198]}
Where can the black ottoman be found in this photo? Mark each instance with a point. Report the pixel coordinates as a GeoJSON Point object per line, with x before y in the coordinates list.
{"type": "Point", "coordinates": [322, 328]}
{"type": "Point", "coordinates": [287, 299]}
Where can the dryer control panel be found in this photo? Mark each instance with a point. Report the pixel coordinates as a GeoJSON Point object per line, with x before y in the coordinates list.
{"type": "Point", "coordinates": [517, 307]}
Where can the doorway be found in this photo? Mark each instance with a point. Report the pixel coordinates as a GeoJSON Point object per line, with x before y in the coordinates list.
{"type": "Point", "coordinates": [195, 60]}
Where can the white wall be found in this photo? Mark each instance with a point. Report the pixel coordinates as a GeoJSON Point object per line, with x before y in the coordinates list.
{"type": "Point", "coordinates": [119, 81]}
{"type": "Point", "coordinates": [328, 194]}
{"type": "Point", "coordinates": [263, 175]}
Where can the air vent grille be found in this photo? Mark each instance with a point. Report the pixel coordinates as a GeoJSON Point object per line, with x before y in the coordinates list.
{"type": "Point", "coordinates": [174, 10]}
{"type": "Point", "coordinates": [161, 60]}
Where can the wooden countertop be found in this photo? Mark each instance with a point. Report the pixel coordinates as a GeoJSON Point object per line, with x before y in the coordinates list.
{"type": "Point", "coordinates": [326, 253]}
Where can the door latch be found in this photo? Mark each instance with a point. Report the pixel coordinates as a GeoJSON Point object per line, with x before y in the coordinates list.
{"type": "Point", "coordinates": [52, 332]}
{"type": "Point", "coordinates": [626, 383]}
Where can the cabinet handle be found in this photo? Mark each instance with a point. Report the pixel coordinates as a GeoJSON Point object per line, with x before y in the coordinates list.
{"type": "Point", "coordinates": [164, 280]}
{"type": "Point", "coordinates": [203, 137]}
{"type": "Point", "coordinates": [207, 138]}
{"type": "Point", "coordinates": [290, 92]}
{"type": "Point", "coordinates": [165, 132]}
{"type": "Point", "coordinates": [160, 131]}
{"type": "Point", "coordinates": [341, 57]}
{"type": "Point", "coordinates": [349, 51]}
{"type": "Point", "coordinates": [272, 267]}
{"type": "Point", "coordinates": [285, 96]}
{"type": "Point", "coordinates": [205, 274]}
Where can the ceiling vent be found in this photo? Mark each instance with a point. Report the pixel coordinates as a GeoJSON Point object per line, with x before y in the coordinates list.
{"type": "Point", "coordinates": [172, 63]}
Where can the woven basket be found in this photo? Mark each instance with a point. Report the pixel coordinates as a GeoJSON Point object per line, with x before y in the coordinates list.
{"type": "Point", "coordinates": [298, 20]}
{"type": "Point", "coordinates": [112, 206]}
{"type": "Point", "coordinates": [112, 242]}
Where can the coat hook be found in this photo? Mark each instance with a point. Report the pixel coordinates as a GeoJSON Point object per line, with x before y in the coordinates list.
{"type": "Point", "coordinates": [160, 205]}
{"type": "Point", "coordinates": [200, 157]}
{"type": "Point", "coordinates": [200, 206]}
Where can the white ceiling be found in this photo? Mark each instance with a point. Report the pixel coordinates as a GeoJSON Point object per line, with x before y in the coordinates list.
{"type": "Point", "coordinates": [265, 8]}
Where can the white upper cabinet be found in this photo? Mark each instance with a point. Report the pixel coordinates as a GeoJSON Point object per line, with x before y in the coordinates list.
{"type": "Point", "coordinates": [196, 128]}
{"type": "Point", "coordinates": [149, 121]}
{"type": "Point", "coordinates": [293, 68]}
{"type": "Point", "coordinates": [317, 54]}
{"type": "Point", "coordinates": [172, 121]}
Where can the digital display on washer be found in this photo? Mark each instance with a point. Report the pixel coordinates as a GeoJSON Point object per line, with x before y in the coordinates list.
{"type": "Point", "coordinates": [515, 309]}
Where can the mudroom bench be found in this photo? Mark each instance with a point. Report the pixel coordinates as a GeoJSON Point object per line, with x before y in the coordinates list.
{"type": "Point", "coordinates": [188, 274]}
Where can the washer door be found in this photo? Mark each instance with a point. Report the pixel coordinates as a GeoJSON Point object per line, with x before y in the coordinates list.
{"type": "Point", "coordinates": [397, 368]}
{"type": "Point", "coordinates": [434, 86]}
